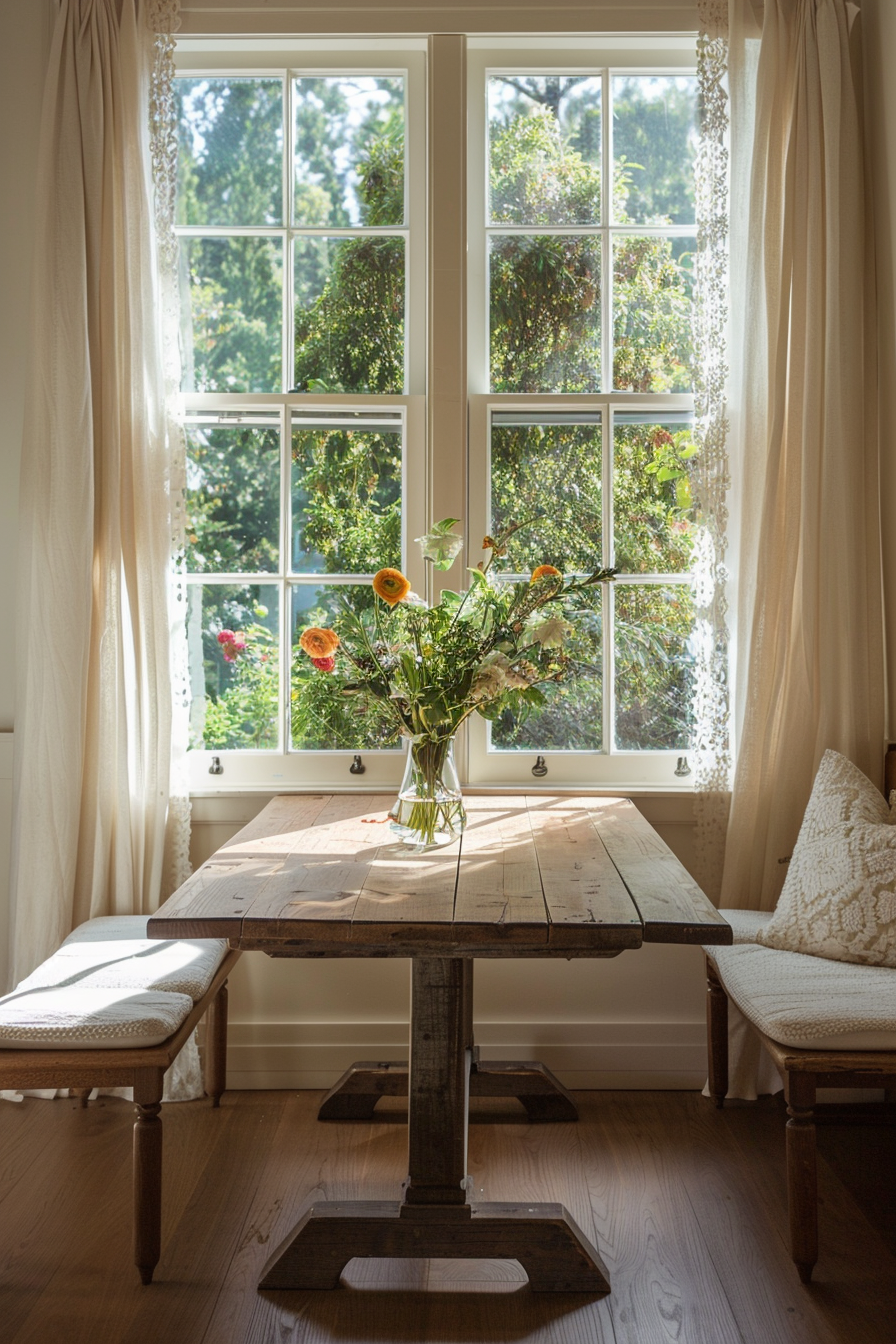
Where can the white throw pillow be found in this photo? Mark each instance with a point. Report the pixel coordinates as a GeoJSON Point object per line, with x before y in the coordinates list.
{"type": "Point", "coordinates": [839, 898]}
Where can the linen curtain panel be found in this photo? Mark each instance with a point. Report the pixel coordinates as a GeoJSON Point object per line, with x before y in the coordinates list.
{"type": "Point", "coordinates": [93, 732]}
{"type": "Point", "coordinates": [803, 430]}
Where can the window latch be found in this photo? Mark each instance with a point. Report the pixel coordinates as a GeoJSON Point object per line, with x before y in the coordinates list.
{"type": "Point", "coordinates": [539, 769]}
{"type": "Point", "coordinates": [682, 768]}
{"type": "Point", "coordinates": [357, 766]}
{"type": "Point", "coordinates": [216, 768]}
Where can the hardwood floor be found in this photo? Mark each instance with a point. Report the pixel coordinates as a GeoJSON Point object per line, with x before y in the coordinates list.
{"type": "Point", "coordinates": [686, 1205]}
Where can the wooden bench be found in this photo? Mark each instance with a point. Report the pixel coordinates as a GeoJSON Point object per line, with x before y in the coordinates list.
{"type": "Point", "coordinates": [791, 996]}
{"type": "Point", "coordinates": [49, 1021]}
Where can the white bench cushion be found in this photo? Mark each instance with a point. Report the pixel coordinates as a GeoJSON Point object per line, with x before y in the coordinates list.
{"type": "Point", "coordinates": [113, 952]}
{"type": "Point", "coordinates": [810, 1003]}
{"type": "Point", "coordinates": [84, 1019]}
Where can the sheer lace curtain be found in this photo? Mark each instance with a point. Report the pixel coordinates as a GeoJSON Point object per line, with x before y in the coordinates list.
{"type": "Point", "coordinates": [94, 717]}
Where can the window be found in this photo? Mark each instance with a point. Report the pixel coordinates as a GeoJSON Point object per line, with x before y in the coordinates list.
{"type": "Point", "coordinates": [301, 213]}
{"type": "Point", "coordinates": [582, 235]}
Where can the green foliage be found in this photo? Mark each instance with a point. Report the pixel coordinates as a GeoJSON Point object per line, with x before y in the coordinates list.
{"type": "Point", "coordinates": [233, 516]}
{"type": "Point", "coordinates": [351, 337]}
{"type": "Point", "coordinates": [244, 716]}
{"type": "Point", "coordinates": [346, 500]}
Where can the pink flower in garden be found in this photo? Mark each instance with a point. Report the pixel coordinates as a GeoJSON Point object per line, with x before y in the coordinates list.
{"type": "Point", "coordinates": [325, 664]}
{"type": "Point", "coordinates": [232, 645]}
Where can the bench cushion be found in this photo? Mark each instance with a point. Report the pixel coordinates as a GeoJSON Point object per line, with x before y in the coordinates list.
{"type": "Point", "coordinates": [113, 952]}
{"type": "Point", "coordinates": [85, 1019]}
{"type": "Point", "coordinates": [810, 1003]}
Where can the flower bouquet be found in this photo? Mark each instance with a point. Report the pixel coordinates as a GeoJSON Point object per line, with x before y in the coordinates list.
{"type": "Point", "coordinates": [485, 650]}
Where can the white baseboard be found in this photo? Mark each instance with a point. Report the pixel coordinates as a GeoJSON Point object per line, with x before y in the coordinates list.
{"type": "Point", "coordinates": [586, 1055]}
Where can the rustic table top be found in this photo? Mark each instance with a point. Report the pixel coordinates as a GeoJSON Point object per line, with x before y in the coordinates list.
{"type": "Point", "coordinates": [323, 875]}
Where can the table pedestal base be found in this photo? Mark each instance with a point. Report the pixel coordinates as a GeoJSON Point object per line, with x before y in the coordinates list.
{"type": "Point", "coordinates": [552, 1250]}
{"type": "Point", "coordinates": [359, 1089]}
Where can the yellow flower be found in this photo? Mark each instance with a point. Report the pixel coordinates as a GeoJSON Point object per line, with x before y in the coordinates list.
{"type": "Point", "coordinates": [391, 585]}
{"type": "Point", "coordinates": [545, 572]}
{"type": "Point", "coordinates": [319, 643]}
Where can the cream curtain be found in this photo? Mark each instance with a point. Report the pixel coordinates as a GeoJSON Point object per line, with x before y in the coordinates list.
{"type": "Point", "coordinates": [93, 730]}
{"type": "Point", "coordinates": [804, 435]}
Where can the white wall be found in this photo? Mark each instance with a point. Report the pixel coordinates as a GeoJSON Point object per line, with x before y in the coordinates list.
{"type": "Point", "coordinates": [24, 45]}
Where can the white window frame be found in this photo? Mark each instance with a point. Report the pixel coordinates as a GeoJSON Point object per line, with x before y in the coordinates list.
{"type": "Point", "coordinates": [196, 56]}
{"type": "Point", "coordinates": [285, 767]}
{"type": "Point", "coordinates": [607, 57]}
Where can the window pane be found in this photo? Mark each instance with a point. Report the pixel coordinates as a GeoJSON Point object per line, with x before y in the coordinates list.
{"type": "Point", "coordinates": [544, 149]}
{"type": "Point", "coordinates": [346, 500]}
{"type": "Point", "coordinates": [548, 470]}
{"type": "Point", "coordinates": [544, 300]}
{"type": "Point", "coordinates": [654, 666]}
{"type": "Point", "coordinates": [324, 719]}
{"type": "Point", "coordinates": [230, 150]}
{"type": "Point", "coordinates": [652, 507]}
{"type": "Point", "coordinates": [233, 495]}
{"type": "Point", "coordinates": [233, 641]}
{"type": "Point", "coordinates": [349, 150]}
{"type": "Point", "coordinates": [654, 145]}
{"type": "Point", "coordinates": [652, 289]}
{"type": "Point", "coordinates": [571, 719]}
{"type": "Point", "coordinates": [232, 314]}
{"type": "Point", "coordinates": [349, 314]}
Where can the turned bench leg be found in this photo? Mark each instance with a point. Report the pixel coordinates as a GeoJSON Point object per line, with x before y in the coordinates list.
{"type": "Point", "coordinates": [802, 1181]}
{"type": "Point", "coordinates": [216, 1047]}
{"type": "Point", "coordinates": [148, 1085]}
{"type": "Point", "coordinates": [717, 1034]}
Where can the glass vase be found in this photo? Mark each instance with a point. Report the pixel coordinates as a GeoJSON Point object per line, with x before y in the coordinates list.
{"type": "Point", "coordinates": [429, 810]}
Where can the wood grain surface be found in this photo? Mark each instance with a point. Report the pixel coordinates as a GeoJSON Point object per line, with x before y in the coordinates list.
{"type": "Point", "coordinates": [686, 1204]}
{"type": "Point", "coordinates": [540, 875]}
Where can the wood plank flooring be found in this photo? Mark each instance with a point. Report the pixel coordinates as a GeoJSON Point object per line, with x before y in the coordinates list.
{"type": "Point", "coordinates": [685, 1204]}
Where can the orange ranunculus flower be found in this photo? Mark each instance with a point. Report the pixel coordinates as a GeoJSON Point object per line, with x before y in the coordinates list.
{"type": "Point", "coordinates": [545, 572]}
{"type": "Point", "coordinates": [391, 585]}
{"type": "Point", "coordinates": [319, 643]}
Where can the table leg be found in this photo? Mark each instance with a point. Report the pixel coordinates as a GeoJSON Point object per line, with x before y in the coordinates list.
{"type": "Point", "coordinates": [544, 1097]}
{"type": "Point", "coordinates": [434, 1221]}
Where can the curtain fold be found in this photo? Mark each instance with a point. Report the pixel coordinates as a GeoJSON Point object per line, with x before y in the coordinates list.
{"type": "Point", "coordinates": [804, 433]}
{"type": "Point", "coordinates": [93, 731]}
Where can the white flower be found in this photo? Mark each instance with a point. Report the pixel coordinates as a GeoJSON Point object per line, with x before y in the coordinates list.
{"type": "Point", "coordinates": [495, 675]}
{"type": "Point", "coordinates": [415, 600]}
{"type": "Point", "coordinates": [550, 632]}
{"type": "Point", "coordinates": [441, 545]}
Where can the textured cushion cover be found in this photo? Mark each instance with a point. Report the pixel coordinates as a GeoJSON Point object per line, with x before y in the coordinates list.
{"type": "Point", "coordinates": [839, 897]}
{"type": "Point", "coordinates": [114, 953]}
{"type": "Point", "coordinates": [72, 1019]}
{"type": "Point", "coordinates": [810, 1003]}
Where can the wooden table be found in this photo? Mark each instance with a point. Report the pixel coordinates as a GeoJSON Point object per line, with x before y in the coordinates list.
{"type": "Point", "coordinates": [558, 876]}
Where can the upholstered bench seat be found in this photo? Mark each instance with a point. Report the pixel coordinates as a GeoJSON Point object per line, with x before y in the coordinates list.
{"type": "Point", "coordinates": [112, 1008]}
{"type": "Point", "coordinates": [71, 1018]}
{"type": "Point", "coordinates": [810, 1003]}
{"type": "Point", "coordinates": [114, 953]}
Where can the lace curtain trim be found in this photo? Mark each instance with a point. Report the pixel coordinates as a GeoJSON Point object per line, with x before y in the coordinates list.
{"type": "Point", "coordinates": [711, 475]}
{"type": "Point", "coordinates": [163, 19]}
